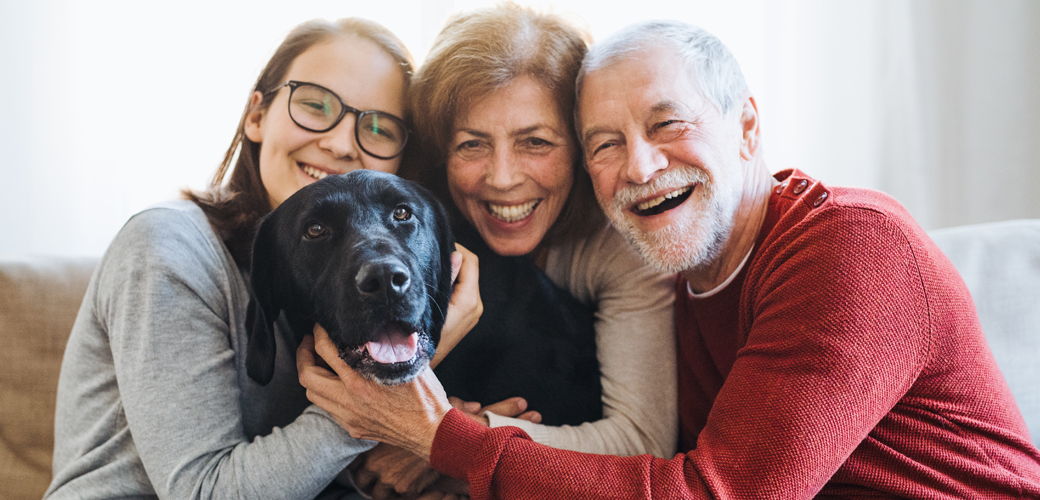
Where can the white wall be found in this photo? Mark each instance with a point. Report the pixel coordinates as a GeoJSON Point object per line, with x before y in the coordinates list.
{"type": "Point", "coordinates": [107, 107]}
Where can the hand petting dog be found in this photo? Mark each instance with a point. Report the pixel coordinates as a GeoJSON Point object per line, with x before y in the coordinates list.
{"type": "Point", "coordinates": [389, 473]}
{"type": "Point", "coordinates": [404, 415]}
{"type": "Point", "coordinates": [417, 406]}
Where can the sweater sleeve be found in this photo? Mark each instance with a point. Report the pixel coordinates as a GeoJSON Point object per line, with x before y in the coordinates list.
{"type": "Point", "coordinates": [838, 333]}
{"type": "Point", "coordinates": [164, 302]}
{"type": "Point", "coordinates": [635, 346]}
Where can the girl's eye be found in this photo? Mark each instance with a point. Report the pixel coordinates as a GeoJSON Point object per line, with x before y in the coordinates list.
{"type": "Point", "coordinates": [402, 213]}
{"type": "Point", "coordinates": [315, 230]}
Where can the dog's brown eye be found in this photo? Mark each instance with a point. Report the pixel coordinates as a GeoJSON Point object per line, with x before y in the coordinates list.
{"type": "Point", "coordinates": [315, 231]}
{"type": "Point", "coordinates": [402, 212]}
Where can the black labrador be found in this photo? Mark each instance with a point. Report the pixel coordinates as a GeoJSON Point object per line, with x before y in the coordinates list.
{"type": "Point", "coordinates": [367, 256]}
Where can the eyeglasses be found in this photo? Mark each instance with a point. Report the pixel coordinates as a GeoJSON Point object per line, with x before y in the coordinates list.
{"type": "Point", "coordinates": [318, 109]}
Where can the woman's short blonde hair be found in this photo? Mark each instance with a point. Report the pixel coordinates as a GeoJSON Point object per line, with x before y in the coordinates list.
{"type": "Point", "coordinates": [483, 50]}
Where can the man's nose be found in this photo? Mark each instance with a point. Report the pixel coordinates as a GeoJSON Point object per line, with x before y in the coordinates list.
{"type": "Point", "coordinates": [644, 161]}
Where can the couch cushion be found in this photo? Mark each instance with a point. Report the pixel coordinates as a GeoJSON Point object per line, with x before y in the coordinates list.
{"type": "Point", "coordinates": [39, 299]}
{"type": "Point", "coordinates": [1000, 262]}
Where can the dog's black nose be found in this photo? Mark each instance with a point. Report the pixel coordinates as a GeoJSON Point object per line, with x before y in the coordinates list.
{"type": "Point", "coordinates": [384, 280]}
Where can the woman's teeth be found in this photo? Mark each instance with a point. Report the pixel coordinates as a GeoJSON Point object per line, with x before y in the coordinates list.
{"type": "Point", "coordinates": [646, 205]}
{"type": "Point", "coordinates": [511, 213]}
{"type": "Point", "coordinates": [313, 172]}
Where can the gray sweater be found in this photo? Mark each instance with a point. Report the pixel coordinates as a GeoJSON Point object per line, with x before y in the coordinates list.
{"type": "Point", "coordinates": [154, 400]}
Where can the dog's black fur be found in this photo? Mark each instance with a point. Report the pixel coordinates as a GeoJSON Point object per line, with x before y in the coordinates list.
{"type": "Point", "coordinates": [533, 340]}
{"type": "Point", "coordinates": [363, 272]}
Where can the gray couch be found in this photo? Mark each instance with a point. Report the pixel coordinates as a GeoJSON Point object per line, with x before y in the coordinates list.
{"type": "Point", "coordinates": [39, 298]}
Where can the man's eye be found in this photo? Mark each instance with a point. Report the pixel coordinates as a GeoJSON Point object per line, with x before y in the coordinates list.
{"type": "Point", "coordinates": [402, 213]}
{"type": "Point", "coordinates": [602, 147]}
{"type": "Point", "coordinates": [668, 129]}
{"type": "Point", "coordinates": [315, 230]}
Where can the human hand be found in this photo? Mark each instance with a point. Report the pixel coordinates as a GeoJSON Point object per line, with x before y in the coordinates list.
{"type": "Point", "coordinates": [465, 306]}
{"type": "Point", "coordinates": [403, 415]}
{"type": "Point", "coordinates": [512, 407]}
{"type": "Point", "coordinates": [387, 472]}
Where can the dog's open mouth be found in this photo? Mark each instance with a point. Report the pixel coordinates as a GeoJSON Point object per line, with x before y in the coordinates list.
{"type": "Point", "coordinates": [394, 343]}
{"type": "Point", "coordinates": [396, 353]}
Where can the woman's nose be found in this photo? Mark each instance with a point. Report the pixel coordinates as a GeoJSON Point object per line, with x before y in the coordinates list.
{"type": "Point", "coordinates": [341, 142]}
{"type": "Point", "coordinates": [504, 171]}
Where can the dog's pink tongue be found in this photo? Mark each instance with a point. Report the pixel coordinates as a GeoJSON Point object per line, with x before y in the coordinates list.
{"type": "Point", "coordinates": [393, 347]}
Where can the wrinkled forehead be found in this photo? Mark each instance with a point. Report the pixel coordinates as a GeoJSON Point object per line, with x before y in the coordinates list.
{"type": "Point", "coordinates": [636, 86]}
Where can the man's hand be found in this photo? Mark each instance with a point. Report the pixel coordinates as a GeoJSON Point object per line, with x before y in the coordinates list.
{"type": "Point", "coordinates": [385, 469]}
{"type": "Point", "coordinates": [403, 415]}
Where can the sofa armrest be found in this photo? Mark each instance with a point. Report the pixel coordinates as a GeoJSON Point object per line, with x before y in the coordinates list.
{"type": "Point", "coordinates": [39, 300]}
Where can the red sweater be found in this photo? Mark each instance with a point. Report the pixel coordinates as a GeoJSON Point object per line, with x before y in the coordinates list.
{"type": "Point", "coordinates": [845, 359]}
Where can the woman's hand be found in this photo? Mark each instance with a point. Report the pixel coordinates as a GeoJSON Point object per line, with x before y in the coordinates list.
{"type": "Point", "coordinates": [512, 407]}
{"type": "Point", "coordinates": [465, 307]}
{"type": "Point", "coordinates": [403, 415]}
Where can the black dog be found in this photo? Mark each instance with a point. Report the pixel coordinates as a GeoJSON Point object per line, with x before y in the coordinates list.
{"type": "Point", "coordinates": [367, 255]}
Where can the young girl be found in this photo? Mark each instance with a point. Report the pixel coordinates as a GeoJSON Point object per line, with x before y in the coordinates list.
{"type": "Point", "coordinates": [153, 398]}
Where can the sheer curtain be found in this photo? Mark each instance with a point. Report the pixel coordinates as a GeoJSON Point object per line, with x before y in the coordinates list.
{"type": "Point", "coordinates": [113, 105]}
{"type": "Point", "coordinates": [937, 103]}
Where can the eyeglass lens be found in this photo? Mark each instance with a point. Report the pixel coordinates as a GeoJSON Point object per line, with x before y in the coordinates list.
{"type": "Point", "coordinates": [318, 110]}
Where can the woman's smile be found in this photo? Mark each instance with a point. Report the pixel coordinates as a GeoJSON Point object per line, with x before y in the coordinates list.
{"type": "Point", "coordinates": [511, 166]}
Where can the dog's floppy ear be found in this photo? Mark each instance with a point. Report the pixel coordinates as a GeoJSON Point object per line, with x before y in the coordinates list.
{"type": "Point", "coordinates": [263, 304]}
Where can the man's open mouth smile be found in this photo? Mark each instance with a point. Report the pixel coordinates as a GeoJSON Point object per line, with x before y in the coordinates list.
{"type": "Point", "coordinates": [664, 202]}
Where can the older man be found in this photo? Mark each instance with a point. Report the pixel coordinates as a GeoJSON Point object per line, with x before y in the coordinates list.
{"type": "Point", "coordinates": [826, 347]}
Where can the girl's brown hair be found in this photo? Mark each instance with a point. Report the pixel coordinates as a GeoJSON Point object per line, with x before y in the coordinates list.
{"type": "Point", "coordinates": [236, 199]}
{"type": "Point", "coordinates": [483, 50]}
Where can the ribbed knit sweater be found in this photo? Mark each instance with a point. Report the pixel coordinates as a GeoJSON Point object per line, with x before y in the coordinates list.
{"type": "Point", "coordinates": [844, 360]}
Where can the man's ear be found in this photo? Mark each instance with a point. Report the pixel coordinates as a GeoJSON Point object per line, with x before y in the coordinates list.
{"type": "Point", "coordinates": [749, 124]}
{"type": "Point", "coordinates": [255, 118]}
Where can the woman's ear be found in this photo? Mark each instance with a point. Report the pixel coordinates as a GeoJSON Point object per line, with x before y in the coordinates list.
{"type": "Point", "coordinates": [255, 118]}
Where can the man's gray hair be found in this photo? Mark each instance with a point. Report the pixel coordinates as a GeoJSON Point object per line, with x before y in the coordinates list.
{"type": "Point", "coordinates": [713, 67]}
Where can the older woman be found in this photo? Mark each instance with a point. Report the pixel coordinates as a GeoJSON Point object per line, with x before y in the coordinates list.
{"type": "Point", "coordinates": [493, 107]}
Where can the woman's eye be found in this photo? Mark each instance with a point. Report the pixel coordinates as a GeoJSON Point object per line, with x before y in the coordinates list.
{"type": "Point", "coordinates": [538, 141]}
{"type": "Point", "coordinates": [474, 144]}
{"type": "Point", "coordinates": [402, 213]}
{"type": "Point", "coordinates": [315, 230]}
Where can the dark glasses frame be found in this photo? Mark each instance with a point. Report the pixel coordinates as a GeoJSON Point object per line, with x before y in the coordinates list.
{"type": "Point", "coordinates": [344, 109]}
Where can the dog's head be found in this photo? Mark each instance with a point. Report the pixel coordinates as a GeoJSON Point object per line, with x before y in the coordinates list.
{"type": "Point", "coordinates": [367, 255]}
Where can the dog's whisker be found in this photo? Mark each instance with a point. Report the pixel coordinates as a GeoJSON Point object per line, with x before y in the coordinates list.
{"type": "Point", "coordinates": [434, 301]}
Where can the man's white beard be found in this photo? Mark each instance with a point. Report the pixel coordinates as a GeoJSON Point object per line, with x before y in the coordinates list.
{"type": "Point", "coordinates": [689, 244]}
